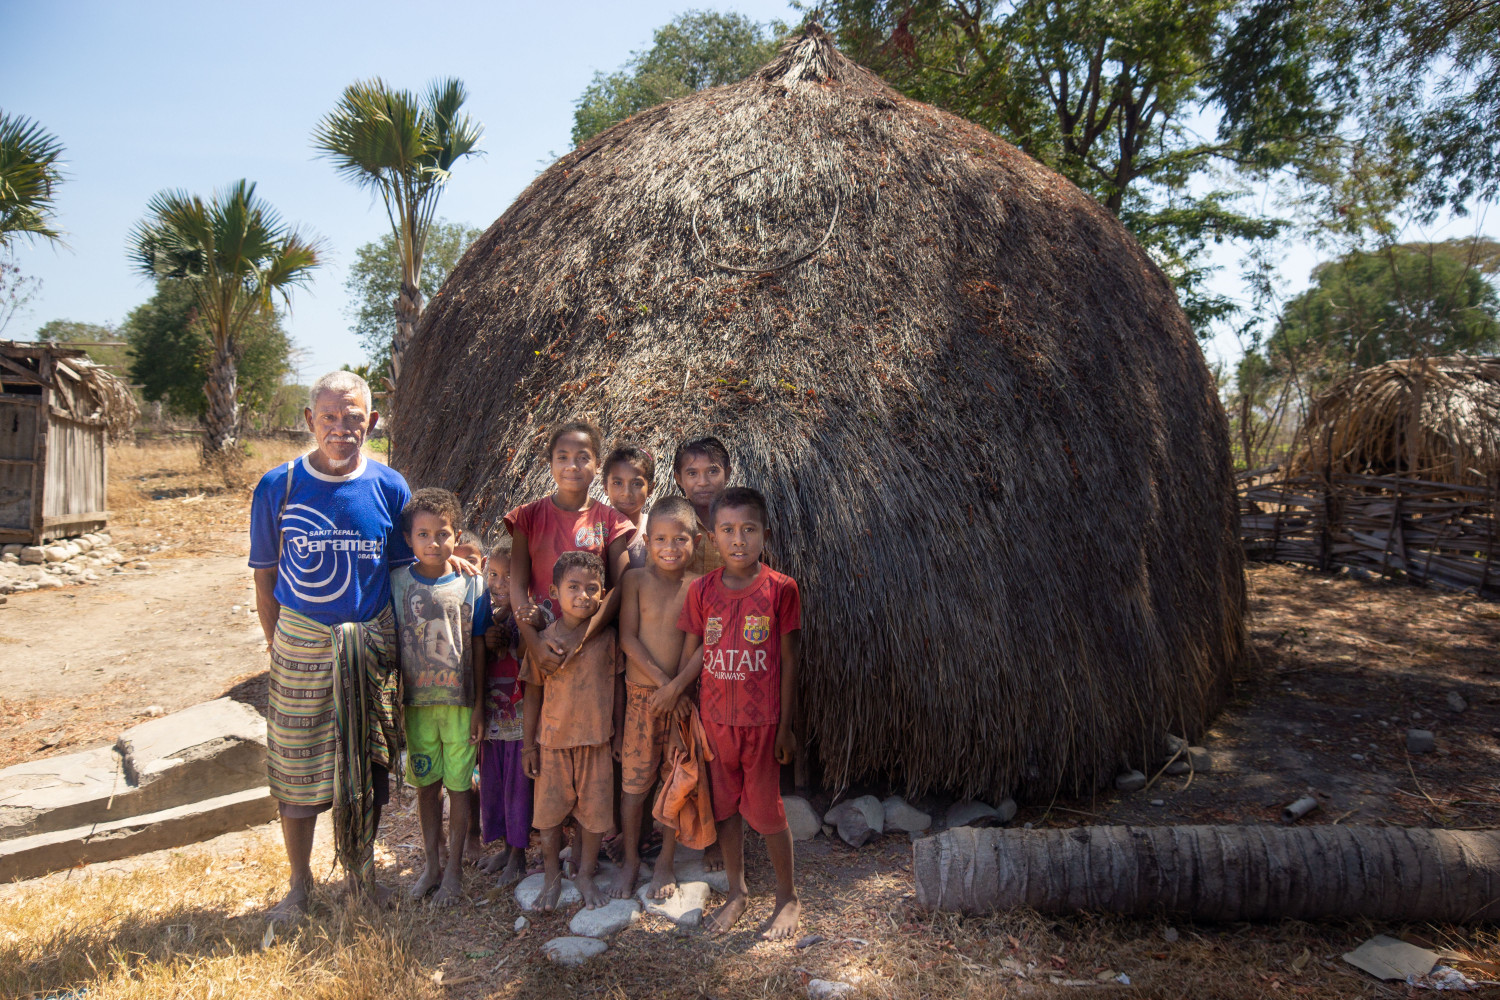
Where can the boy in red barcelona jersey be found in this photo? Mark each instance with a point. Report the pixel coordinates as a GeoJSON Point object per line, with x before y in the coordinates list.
{"type": "Point", "coordinates": [743, 631]}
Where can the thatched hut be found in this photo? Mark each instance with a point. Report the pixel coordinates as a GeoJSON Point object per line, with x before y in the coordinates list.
{"type": "Point", "coordinates": [1436, 419]}
{"type": "Point", "coordinates": [995, 457]}
{"type": "Point", "coordinates": [57, 411]}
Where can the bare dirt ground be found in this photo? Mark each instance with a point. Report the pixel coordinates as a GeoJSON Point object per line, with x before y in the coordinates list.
{"type": "Point", "coordinates": [1341, 669]}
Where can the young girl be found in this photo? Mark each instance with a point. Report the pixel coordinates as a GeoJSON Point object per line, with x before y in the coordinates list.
{"type": "Point", "coordinates": [566, 521]}
{"type": "Point", "coordinates": [504, 790]}
{"type": "Point", "coordinates": [629, 476]}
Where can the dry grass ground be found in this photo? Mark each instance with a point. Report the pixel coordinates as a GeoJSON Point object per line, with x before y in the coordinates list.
{"type": "Point", "coordinates": [1335, 658]}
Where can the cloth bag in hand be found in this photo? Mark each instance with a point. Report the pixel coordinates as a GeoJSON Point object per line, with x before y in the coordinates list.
{"type": "Point", "coordinates": [684, 803]}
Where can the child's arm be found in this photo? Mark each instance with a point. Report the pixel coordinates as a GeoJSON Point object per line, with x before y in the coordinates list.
{"type": "Point", "coordinates": [616, 562]}
{"type": "Point", "coordinates": [619, 716]}
{"type": "Point", "coordinates": [630, 629]}
{"type": "Point", "coordinates": [546, 656]}
{"type": "Point", "coordinates": [791, 650]}
{"type": "Point", "coordinates": [476, 717]}
{"type": "Point", "coordinates": [531, 715]}
{"type": "Point", "coordinates": [690, 665]}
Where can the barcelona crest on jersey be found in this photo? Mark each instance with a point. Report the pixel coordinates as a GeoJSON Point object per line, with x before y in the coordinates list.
{"type": "Point", "coordinates": [757, 628]}
{"type": "Point", "coordinates": [713, 631]}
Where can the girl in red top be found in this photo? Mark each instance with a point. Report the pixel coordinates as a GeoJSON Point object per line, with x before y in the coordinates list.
{"type": "Point", "coordinates": [743, 626]}
{"type": "Point", "coordinates": [566, 521]}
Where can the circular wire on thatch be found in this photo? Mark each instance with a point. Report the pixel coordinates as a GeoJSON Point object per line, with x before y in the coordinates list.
{"type": "Point", "coordinates": [1427, 418]}
{"type": "Point", "coordinates": [995, 460]}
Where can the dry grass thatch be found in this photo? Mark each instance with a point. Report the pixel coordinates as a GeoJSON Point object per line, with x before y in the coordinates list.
{"type": "Point", "coordinates": [1425, 418]}
{"type": "Point", "coordinates": [84, 390]}
{"type": "Point", "coordinates": [995, 458]}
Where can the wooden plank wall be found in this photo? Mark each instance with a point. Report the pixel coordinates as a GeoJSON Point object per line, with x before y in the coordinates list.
{"type": "Point", "coordinates": [18, 424]}
{"type": "Point", "coordinates": [75, 468]}
{"type": "Point", "coordinates": [1439, 534]}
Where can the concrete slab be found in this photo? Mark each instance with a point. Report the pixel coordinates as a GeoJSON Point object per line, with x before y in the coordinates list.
{"type": "Point", "coordinates": [58, 793]}
{"type": "Point", "coordinates": [28, 857]}
{"type": "Point", "coordinates": [209, 749]}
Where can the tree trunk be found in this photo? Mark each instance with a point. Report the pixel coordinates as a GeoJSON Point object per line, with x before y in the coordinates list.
{"type": "Point", "coordinates": [1222, 873]}
{"type": "Point", "coordinates": [222, 421]}
{"type": "Point", "coordinates": [408, 312]}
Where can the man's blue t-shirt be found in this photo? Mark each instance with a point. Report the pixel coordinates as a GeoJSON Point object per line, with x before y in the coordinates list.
{"type": "Point", "coordinates": [343, 538]}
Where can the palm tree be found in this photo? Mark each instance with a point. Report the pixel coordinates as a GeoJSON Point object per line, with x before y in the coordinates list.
{"type": "Point", "coordinates": [29, 172]}
{"type": "Point", "coordinates": [404, 147]}
{"type": "Point", "coordinates": [237, 254]}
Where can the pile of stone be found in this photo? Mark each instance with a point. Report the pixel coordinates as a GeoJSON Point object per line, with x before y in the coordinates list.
{"type": "Point", "coordinates": [62, 562]}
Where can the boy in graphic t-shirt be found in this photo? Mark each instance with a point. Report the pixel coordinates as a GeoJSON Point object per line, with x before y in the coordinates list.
{"type": "Point", "coordinates": [444, 715]}
{"type": "Point", "coordinates": [743, 625]}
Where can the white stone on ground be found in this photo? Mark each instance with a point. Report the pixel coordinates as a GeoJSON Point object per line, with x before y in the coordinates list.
{"type": "Point", "coordinates": [1201, 759]}
{"type": "Point", "coordinates": [853, 821]}
{"type": "Point", "coordinates": [530, 887]}
{"type": "Point", "coordinates": [1457, 702]}
{"type": "Point", "coordinates": [1130, 781]}
{"type": "Point", "coordinates": [684, 907]}
{"type": "Point", "coordinates": [902, 815]}
{"type": "Point", "coordinates": [33, 554]}
{"type": "Point", "coordinates": [1420, 741]}
{"type": "Point", "coordinates": [800, 817]}
{"type": "Point", "coordinates": [690, 868]}
{"type": "Point", "coordinates": [572, 950]}
{"type": "Point", "coordinates": [828, 989]}
{"type": "Point", "coordinates": [611, 918]}
{"type": "Point", "coordinates": [967, 812]}
{"type": "Point", "coordinates": [521, 924]}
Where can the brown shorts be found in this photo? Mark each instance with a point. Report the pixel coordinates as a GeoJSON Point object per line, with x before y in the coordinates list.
{"type": "Point", "coordinates": [575, 781]}
{"type": "Point", "coordinates": [645, 739]}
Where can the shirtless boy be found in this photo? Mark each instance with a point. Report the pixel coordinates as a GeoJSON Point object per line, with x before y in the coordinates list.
{"type": "Point", "coordinates": [571, 713]}
{"type": "Point", "coordinates": [744, 627]}
{"type": "Point", "coordinates": [650, 603]}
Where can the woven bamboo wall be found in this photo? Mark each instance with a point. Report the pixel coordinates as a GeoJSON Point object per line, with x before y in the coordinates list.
{"type": "Point", "coordinates": [1440, 534]}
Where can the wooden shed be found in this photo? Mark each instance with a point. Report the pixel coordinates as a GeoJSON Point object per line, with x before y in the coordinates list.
{"type": "Point", "coordinates": [57, 411]}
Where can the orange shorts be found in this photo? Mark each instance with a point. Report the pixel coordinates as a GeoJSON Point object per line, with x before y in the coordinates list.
{"type": "Point", "coordinates": [745, 776]}
{"type": "Point", "coordinates": [577, 782]}
{"type": "Point", "coordinates": [645, 741]}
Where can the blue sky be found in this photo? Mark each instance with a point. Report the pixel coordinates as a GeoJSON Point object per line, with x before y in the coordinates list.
{"type": "Point", "coordinates": [155, 95]}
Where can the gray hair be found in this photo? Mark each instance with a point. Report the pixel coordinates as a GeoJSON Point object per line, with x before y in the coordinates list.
{"type": "Point", "coordinates": [341, 382]}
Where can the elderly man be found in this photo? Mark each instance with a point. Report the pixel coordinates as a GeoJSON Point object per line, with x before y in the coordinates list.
{"type": "Point", "coordinates": [324, 537]}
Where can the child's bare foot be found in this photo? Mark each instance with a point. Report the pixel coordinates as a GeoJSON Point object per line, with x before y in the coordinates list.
{"type": "Point", "coordinates": [514, 871]}
{"type": "Point", "coordinates": [450, 891]}
{"type": "Point", "coordinates": [784, 920]}
{"type": "Point", "coordinates": [493, 863]}
{"type": "Point", "coordinates": [614, 848]}
{"type": "Point", "coordinates": [293, 907]}
{"type": "Point", "coordinates": [728, 915]}
{"type": "Point", "coordinates": [551, 892]}
{"type": "Point", "coordinates": [473, 850]}
{"type": "Point", "coordinates": [431, 876]}
{"type": "Point", "coordinates": [713, 858]}
{"type": "Point", "coordinates": [663, 882]}
{"type": "Point", "coordinates": [592, 897]}
{"type": "Point", "coordinates": [624, 883]}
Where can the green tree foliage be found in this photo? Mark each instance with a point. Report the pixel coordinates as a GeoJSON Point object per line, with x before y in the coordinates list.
{"type": "Point", "coordinates": [30, 171]}
{"type": "Point", "coordinates": [374, 282]}
{"type": "Point", "coordinates": [89, 336]}
{"type": "Point", "coordinates": [1121, 98]}
{"type": "Point", "coordinates": [171, 351]}
{"type": "Point", "coordinates": [1408, 300]}
{"type": "Point", "coordinates": [404, 147]}
{"type": "Point", "coordinates": [696, 50]}
{"type": "Point", "coordinates": [235, 255]}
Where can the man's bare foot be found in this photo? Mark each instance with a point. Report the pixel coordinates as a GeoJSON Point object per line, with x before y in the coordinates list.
{"type": "Point", "coordinates": [623, 886]}
{"type": "Point", "coordinates": [514, 871]}
{"type": "Point", "coordinates": [784, 920]}
{"type": "Point", "coordinates": [431, 876]}
{"type": "Point", "coordinates": [592, 897]}
{"type": "Point", "coordinates": [293, 907]}
{"type": "Point", "coordinates": [728, 915]}
{"type": "Point", "coordinates": [551, 892]}
{"type": "Point", "coordinates": [713, 858]}
{"type": "Point", "coordinates": [381, 895]}
{"type": "Point", "coordinates": [663, 882]}
{"type": "Point", "coordinates": [449, 892]}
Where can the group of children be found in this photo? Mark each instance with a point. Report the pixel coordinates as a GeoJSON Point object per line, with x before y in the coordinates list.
{"type": "Point", "coordinates": [597, 628]}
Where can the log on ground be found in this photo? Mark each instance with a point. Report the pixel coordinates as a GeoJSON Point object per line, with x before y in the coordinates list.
{"type": "Point", "coordinates": [1216, 873]}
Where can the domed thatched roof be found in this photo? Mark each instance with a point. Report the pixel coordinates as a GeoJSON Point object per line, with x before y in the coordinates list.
{"type": "Point", "coordinates": [995, 459]}
{"type": "Point", "coordinates": [1363, 423]}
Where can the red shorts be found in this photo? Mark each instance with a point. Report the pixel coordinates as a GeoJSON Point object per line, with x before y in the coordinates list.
{"type": "Point", "coordinates": [745, 776]}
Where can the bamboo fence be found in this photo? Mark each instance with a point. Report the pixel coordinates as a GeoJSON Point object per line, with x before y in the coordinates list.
{"type": "Point", "coordinates": [1439, 534]}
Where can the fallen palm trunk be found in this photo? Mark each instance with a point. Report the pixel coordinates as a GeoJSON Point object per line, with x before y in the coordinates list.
{"type": "Point", "coordinates": [1216, 872]}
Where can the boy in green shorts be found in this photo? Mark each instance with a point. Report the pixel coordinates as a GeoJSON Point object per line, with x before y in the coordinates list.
{"type": "Point", "coordinates": [444, 713]}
